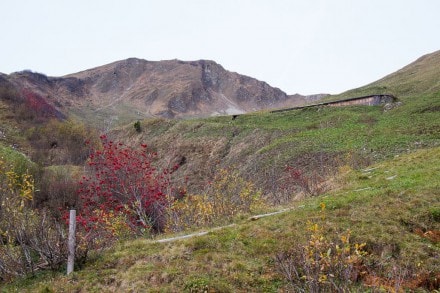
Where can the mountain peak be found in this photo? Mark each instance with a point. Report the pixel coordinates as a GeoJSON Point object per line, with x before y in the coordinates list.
{"type": "Point", "coordinates": [136, 88]}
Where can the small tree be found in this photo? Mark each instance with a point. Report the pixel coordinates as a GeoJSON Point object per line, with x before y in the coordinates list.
{"type": "Point", "coordinates": [124, 191]}
{"type": "Point", "coordinates": [137, 126]}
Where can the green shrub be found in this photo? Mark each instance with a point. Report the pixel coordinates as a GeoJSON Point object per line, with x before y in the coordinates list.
{"type": "Point", "coordinates": [137, 126]}
{"type": "Point", "coordinates": [435, 214]}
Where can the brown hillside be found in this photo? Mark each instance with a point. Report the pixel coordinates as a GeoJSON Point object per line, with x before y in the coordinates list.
{"type": "Point", "coordinates": [135, 88]}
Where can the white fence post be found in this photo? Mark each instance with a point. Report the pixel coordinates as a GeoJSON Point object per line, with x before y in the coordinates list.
{"type": "Point", "coordinates": [71, 244]}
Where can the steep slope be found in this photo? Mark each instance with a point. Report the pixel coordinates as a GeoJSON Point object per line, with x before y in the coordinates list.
{"type": "Point", "coordinates": [177, 89]}
{"type": "Point", "coordinates": [260, 145]}
{"type": "Point", "coordinates": [420, 77]}
{"type": "Point", "coordinates": [133, 89]}
{"type": "Point", "coordinates": [401, 253]}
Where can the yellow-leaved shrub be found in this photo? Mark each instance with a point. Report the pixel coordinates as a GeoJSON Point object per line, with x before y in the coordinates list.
{"type": "Point", "coordinates": [29, 239]}
{"type": "Point", "coordinates": [228, 195]}
{"type": "Point", "coordinates": [325, 263]}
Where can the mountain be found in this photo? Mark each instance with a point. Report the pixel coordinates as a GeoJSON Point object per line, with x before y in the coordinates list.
{"type": "Point", "coordinates": [136, 89]}
{"type": "Point", "coordinates": [420, 77]}
{"type": "Point", "coordinates": [362, 182]}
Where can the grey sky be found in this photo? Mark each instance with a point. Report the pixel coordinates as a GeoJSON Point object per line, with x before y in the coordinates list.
{"type": "Point", "coordinates": [309, 46]}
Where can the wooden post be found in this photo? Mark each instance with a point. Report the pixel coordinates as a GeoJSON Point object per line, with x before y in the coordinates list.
{"type": "Point", "coordinates": [71, 244]}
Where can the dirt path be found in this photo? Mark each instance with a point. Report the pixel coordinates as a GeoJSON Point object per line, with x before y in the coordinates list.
{"type": "Point", "coordinates": [253, 218]}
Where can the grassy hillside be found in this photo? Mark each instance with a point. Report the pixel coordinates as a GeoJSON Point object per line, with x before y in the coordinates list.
{"type": "Point", "coordinates": [376, 172]}
{"type": "Point", "coordinates": [393, 207]}
{"type": "Point", "coordinates": [421, 76]}
{"type": "Point", "coordinates": [10, 130]}
{"type": "Point", "coordinates": [260, 145]}
{"type": "Point", "coordinates": [18, 162]}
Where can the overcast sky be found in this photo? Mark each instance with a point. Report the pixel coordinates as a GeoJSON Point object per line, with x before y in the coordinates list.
{"type": "Point", "coordinates": [307, 47]}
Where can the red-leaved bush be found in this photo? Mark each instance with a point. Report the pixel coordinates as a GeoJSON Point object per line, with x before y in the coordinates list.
{"type": "Point", "coordinates": [37, 105]}
{"type": "Point", "coordinates": [123, 190]}
{"type": "Point", "coordinates": [311, 184]}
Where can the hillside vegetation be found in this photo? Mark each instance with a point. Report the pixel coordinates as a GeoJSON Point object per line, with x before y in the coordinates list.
{"type": "Point", "coordinates": [393, 208]}
{"type": "Point", "coordinates": [261, 145]}
{"type": "Point", "coordinates": [419, 77]}
{"type": "Point", "coordinates": [362, 183]}
{"type": "Point", "coordinates": [264, 143]}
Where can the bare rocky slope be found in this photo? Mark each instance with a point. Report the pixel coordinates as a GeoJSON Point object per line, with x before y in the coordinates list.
{"type": "Point", "coordinates": [136, 89]}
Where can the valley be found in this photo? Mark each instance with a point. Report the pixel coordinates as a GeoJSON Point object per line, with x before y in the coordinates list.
{"type": "Point", "coordinates": [365, 178]}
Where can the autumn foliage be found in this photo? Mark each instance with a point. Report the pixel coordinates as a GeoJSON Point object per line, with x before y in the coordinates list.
{"type": "Point", "coordinates": [35, 106]}
{"type": "Point", "coordinates": [310, 184]}
{"type": "Point", "coordinates": [324, 263]}
{"type": "Point", "coordinates": [228, 195]}
{"type": "Point", "coordinates": [30, 239]}
{"type": "Point", "coordinates": [123, 190]}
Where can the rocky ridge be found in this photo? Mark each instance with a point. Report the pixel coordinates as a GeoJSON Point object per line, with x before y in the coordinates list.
{"type": "Point", "coordinates": [135, 89]}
